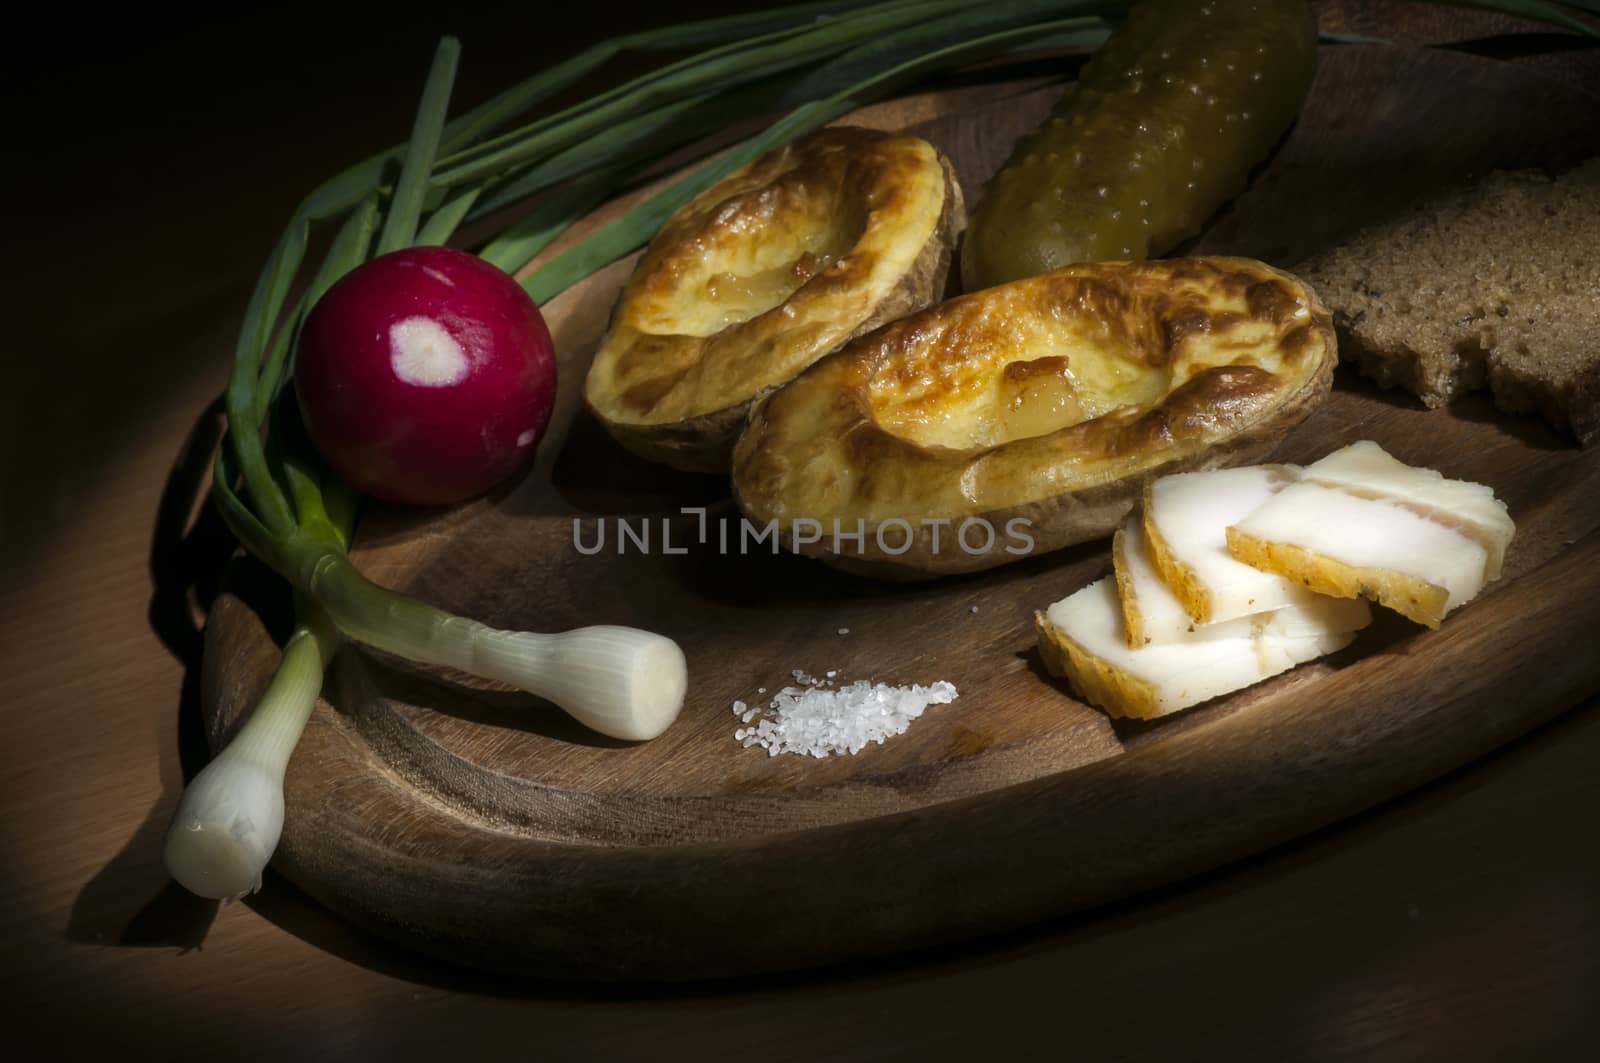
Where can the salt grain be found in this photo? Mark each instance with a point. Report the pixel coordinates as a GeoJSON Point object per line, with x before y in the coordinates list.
{"type": "Point", "coordinates": [844, 631]}
{"type": "Point", "coordinates": [814, 720]}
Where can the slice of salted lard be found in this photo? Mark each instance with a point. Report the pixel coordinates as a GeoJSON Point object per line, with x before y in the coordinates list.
{"type": "Point", "coordinates": [1186, 519]}
{"type": "Point", "coordinates": [1081, 639]}
{"type": "Point", "coordinates": [1367, 470]}
{"type": "Point", "coordinates": [1362, 524]}
{"type": "Point", "coordinates": [1152, 613]}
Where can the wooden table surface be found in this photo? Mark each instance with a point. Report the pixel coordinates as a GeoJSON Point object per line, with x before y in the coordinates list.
{"type": "Point", "coordinates": [154, 167]}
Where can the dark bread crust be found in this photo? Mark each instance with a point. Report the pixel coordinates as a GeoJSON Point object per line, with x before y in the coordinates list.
{"type": "Point", "coordinates": [1495, 285]}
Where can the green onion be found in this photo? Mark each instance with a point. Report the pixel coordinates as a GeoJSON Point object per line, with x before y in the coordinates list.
{"type": "Point", "coordinates": [633, 143]}
{"type": "Point", "coordinates": [442, 223]}
{"type": "Point", "coordinates": [516, 100]}
{"type": "Point", "coordinates": [349, 250]}
{"type": "Point", "coordinates": [963, 24]}
{"type": "Point", "coordinates": [512, 249]}
{"type": "Point", "coordinates": [1549, 11]}
{"type": "Point", "coordinates": [231, 815]}
{"type": "Point", "coordinates": [618, 681]}
{"type": "Point", "coordinates": [727, 67]}
{"type": "Point", "coordinates": [634, 228]}
{"type": "Point", "coordinates": [636, 142]}
{"type": "Point", "coordinates": [405, 207]}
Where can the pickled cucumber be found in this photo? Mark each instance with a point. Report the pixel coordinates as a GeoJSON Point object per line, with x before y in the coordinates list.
{"type": "Point", "coordinates": [1162, 129]}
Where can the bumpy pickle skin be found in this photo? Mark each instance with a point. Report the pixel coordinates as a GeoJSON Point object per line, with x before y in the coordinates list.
{"type": "Point", "coordinates": [1162, 128]}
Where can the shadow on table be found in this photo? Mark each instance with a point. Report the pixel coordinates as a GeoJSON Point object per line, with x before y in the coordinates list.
{"type": "Point", "coordinates": [1521, 45]}
{"type": "Point", "coordinates": [189, 551]}
{"type": "Point", "coordinates": [295, 912]}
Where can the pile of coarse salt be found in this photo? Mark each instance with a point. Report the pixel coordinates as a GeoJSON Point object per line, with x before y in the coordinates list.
{"type": "Point", "coordinates": [814, 719]}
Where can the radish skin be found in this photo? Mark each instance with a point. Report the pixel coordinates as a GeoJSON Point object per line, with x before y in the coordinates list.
{"type": "Point", "coordinates": [425, 376]}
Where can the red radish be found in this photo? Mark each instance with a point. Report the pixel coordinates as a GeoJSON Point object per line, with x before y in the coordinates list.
{"type": "Point", "coordinates": [425, 376]}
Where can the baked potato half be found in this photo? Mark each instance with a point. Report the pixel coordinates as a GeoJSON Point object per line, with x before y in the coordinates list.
{"type": "Point", "coordinates": [1028, 416]}
{"type": "Point", "coordinates": [776, 265]}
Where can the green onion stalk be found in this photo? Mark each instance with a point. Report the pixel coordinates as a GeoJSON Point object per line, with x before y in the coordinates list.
{"type": "Point", "coordinates": [805, 63]}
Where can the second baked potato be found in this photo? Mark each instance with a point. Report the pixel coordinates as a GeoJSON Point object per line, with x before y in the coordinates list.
{"type": "Point", "coordinates": [1035, 410]}
{"type": "Point", "coordinates": [777, 264]}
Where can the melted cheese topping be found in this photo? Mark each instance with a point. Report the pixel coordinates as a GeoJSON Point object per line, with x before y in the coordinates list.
{"type": "Point", "coordinates": [1036, 389]}
{"type": "Point", "coordinates": [771, 268]}
{"type": "Point", "coordinates": [1029, 359]}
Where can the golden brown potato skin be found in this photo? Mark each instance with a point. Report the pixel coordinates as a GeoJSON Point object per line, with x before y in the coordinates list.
{"type": "Point", "coordinates": [1153, 368]}
{"type": "Point", "coordinates": [781, 262]}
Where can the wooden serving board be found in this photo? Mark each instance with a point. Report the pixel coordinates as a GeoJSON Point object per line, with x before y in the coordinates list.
{"type": "Point", "coordinates": [482, 826]}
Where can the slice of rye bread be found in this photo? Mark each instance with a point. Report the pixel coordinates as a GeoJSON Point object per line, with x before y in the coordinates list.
{"type": "Point", "coordinates": [1494, 285]}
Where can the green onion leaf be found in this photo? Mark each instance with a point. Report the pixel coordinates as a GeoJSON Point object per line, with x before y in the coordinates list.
{"type": "Point", "coordinates": [1326, 37]}
{"type": "Point", "coordinates": [251, 533]}
{"type": "Point", "coordinates": [305, 487]}
{"type": "Point", "coordinates": [642, 139]}
{"type": "Point", "coordinates": [520, 97]}
{"type": "Point", "coordinates": [350, 247]}
{"type": "Point", "coordinates": [342, 504]}
{"type": "Point", "coordinates": [349, 250]}
{"type": "Point", "coordinates": [634, 228]}
{"type": "Point", "coordinates": [718, 69]}
{"type": "Point", "coordinates": [443, 222]}
{"type": "Point", "coordinates": [515, 247]}
{"type": "Point", "coordinates": [244, 427]}
{"type": "Point", "coordinates": [1536, 11]}
{"type": "Point", "coordinates": [405, 208]}
{"type": "Point", "coordinates": [919, 38]}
